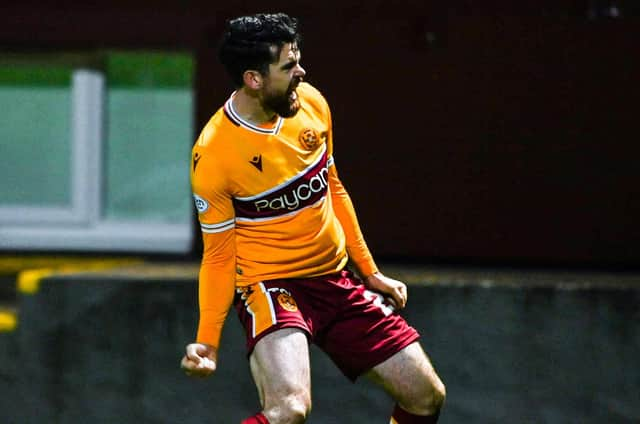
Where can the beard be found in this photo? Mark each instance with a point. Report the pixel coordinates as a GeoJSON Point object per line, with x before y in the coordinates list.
{"type": "Point", "coordinates": [284, 104]}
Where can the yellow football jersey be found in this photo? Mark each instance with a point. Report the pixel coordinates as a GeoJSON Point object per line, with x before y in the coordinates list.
{"type": "Point", "coordinates": [270, 204]}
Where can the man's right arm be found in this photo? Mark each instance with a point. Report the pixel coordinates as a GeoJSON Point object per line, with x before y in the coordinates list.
{"type": "Point", "coordinates": [216, 280]}
{"type": "Point", "coordinates": [216, 285]}
{"type": "Point", "coordinates": [216, 288]}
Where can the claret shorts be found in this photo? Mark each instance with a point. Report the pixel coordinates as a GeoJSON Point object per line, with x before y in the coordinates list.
{"type": "Point", "coordinates": [353, 325]}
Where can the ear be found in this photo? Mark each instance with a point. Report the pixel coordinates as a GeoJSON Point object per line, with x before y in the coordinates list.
{"type": "Point", "coordinates": [252, 79]}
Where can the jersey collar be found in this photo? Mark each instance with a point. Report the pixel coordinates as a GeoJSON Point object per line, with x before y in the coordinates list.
{"type": "Point", "coordinates": [237, 120]}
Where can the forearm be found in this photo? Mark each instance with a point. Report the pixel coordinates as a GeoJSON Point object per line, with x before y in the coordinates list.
{"type": "Point", "coordinates": [356, 246]}
{"type": "Point", "coordinates": [215, 298]}
{"type": "Point", "coordinates": [216, 289]}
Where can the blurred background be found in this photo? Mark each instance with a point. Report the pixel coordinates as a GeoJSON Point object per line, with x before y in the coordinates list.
{"type": "Point", "coordinates": [490, 149]}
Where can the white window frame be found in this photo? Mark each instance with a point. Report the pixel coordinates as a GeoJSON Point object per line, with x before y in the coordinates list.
{"type": "Point", "coordinates": [81, 227]}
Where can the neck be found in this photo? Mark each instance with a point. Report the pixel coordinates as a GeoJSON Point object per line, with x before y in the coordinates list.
{"type": "Point", "coordinates": [248, 105]}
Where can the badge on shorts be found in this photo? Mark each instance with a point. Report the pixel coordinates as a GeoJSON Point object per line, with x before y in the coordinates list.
{"type": "Point", "coordinates": [287, 302]}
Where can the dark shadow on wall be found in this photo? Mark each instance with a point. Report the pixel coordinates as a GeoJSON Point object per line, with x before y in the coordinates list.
{"type": "Point", "coordinates": [106, 350]}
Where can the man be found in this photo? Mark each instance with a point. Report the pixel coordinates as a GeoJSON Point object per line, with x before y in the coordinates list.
{"type": "Point", "coordinates": [278, 229]}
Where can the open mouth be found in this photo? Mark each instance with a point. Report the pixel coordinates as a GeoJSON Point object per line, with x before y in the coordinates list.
{"type": "Point", "coordinates": [293, 95]}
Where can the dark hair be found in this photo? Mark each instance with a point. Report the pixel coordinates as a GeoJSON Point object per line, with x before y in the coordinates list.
{"type": "Point", "coordinates": [248, 42]}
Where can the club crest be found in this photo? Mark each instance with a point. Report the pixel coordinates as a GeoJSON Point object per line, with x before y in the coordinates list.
{"type": "Point", "coordinates": [309, 138]}
{"type": "Point", "coordinates": [287, 302]}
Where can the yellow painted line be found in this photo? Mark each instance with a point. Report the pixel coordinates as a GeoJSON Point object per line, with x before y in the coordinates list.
{"type": "Point", "coordinates": [28, 281]}
{"type": "Point", "coordinates": [12, 264]}
{"type": "Point", "coordinates": [8, 321]}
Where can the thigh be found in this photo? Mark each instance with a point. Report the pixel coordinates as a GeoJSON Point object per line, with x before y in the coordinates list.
{"type": "Point", "coordinates": [408, 375]}
{"type": "Point", "coordinates": [366, 332]}
{"type": "Point", "coordinates": [280, 366]}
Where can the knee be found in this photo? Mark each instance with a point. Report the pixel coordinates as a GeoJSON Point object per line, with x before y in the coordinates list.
{"type": "Point", "coordinates": [290, 409]}
{"type": "Point", "coordinates": [297, 409]}
{"type": "Point", "coordinates": [428, 399]}
{"type": "Point", "coordinates": [438, 395]}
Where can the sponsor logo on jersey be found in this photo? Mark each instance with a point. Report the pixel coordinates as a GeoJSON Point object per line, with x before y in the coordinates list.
{"type": "Point", "coordinates": [302, 191]}
{"type": "Point", "coordinates": [201, 204]}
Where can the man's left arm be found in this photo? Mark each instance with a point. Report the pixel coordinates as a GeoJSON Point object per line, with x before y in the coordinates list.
{"type": "Point", "coordinates": [357, 247]}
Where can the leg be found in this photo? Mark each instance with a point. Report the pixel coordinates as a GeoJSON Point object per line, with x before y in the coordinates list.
{"type": "Point", "coordinates": [280, 368]}
{"type": "Point", "coordinates": [410, 379]}
{"type": "Point", "coordinates": [374, 342]}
